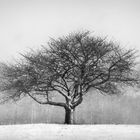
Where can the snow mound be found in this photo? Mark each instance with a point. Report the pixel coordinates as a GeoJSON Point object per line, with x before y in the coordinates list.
{"type": "Point", "coordinates": [69, 132]}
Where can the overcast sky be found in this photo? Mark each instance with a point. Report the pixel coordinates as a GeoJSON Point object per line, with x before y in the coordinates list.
{"type": "Point", "coordinates": [29, 23]}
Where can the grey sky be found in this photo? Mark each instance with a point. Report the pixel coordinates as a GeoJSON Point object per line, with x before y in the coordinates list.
{"type": "Point", "coordinates": [30, 23]}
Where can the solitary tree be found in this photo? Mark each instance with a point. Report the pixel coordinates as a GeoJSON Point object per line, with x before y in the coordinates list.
{"type": "Point", "coordinates": [69, 66]}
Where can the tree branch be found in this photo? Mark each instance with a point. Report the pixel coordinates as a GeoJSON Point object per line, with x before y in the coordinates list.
{"type": "Point", "coordinates": [64, 95]}
{"type": "Point", "coordinates": [48, 102]}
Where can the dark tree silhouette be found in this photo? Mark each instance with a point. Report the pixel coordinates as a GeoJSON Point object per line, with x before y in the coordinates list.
{"type": "Point", "coordinates": [69, 66]}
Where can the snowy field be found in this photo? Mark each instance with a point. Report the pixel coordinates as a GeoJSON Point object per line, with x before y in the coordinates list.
{"type": "Point", "coordinates": [69, 132]}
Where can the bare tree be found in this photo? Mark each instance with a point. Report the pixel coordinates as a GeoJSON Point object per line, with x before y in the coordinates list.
{"type": "Point", "coordinates": [69, 66]}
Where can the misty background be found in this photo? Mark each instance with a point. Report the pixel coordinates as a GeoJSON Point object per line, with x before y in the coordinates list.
{"type": "Point", "coordinates": [28, 24]}
{"type": "Point", "coordinates": [95, 109]}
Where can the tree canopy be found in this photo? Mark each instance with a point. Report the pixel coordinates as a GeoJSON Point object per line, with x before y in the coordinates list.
{"type": "Point", "coordinates": [69, 66]}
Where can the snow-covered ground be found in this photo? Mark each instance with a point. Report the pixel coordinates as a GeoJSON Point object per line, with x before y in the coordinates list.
{"type": "Point", "coordinates": [69, 132]}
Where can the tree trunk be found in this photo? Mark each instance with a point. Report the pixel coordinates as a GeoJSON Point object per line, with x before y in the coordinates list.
{"type": "Point", "coordinates": [69, 116]}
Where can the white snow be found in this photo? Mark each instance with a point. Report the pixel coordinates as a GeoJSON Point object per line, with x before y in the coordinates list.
{"type": "Point", "coordinates": [69, 132]}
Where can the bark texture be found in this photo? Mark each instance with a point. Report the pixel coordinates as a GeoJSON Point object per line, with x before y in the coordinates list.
{"type": "Point", "coordinates": [69, 116]}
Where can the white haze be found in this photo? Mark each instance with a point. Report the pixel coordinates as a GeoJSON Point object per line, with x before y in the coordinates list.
{"type": "Point", "coordinates": [29, 23]}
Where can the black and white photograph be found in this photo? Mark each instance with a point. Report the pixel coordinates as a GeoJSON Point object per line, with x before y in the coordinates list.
{"type": "Point", "coordinates": [69, 70]}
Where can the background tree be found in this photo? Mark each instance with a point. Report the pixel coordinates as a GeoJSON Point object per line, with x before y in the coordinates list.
{"type": "Point", "coordinates": [69, 67]}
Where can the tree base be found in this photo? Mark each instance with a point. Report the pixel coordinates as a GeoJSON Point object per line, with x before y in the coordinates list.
{"type": "Point", "coordinates": [69, 116]}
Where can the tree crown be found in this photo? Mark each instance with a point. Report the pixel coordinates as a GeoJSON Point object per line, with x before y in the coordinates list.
{"type": "Point", "coordinates": [70, 66]}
